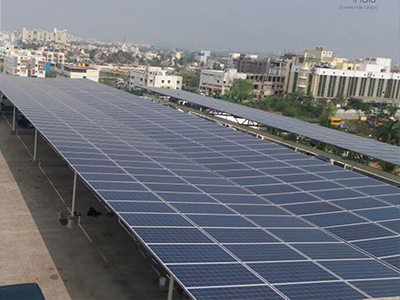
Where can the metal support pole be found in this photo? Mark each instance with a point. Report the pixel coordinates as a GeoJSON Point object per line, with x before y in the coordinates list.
{"type": "Point", "coordinates": [14, 118]}
{"type": "Point", "coordinates": [171, 288]}
{"type": "Point", "coordinates": [35, 145]}
{"type": "Point", "coordinates": [74, 194]}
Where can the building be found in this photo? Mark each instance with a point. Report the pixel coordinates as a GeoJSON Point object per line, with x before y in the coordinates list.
{"type": "Point", "coordinates": [330, 83]}
{"type": "Point", "coordinates": [79, 71]}
{"type": "Point", "coordinates": [217, 82]}
{"type": "Point", "coordinates": [54, 57]}
{"type": "Point", "coordinates": [274, 79]}
{"type": "Point", "coordinates": [268, 76]}
{"type": "Point", "coordinates": [154, 77]}
{"type": "Point", "coordinates": [39, 35]}
{"type": "Point", "coordinates": [320, 74]}
{"type": "Point", "coordinates": [202, 56]}
{"type": "Point", "coordinates": [25, 63]}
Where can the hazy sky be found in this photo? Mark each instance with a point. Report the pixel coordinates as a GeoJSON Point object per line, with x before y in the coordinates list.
{"type": "Point", "coordinates": [235, 25]}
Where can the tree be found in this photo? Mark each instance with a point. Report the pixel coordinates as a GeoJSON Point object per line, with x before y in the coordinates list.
{"type": "Point", "coordinates": [240, 90]}
{"type": "Point", "coordinates": [390, 133]}
{"type": "Point", "coordinates": [340, 99]}
{"type": "Point", "coordinates": [388, 167]}
{"type": "Point", "coordinates": [191, 81]}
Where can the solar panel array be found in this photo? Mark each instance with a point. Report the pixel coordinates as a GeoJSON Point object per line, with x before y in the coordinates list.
{"type": "Point", "coordinates": [229, 215]}
{"type": "Point", "coordinates": [372, 148]}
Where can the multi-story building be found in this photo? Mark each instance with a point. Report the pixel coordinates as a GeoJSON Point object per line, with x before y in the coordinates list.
{"type": "Point", "coordinates": [54, 57]}
{"type": "Point", "coordinates": [216, 82]}
{"type": "Point", "coordinates": [331, 83]}
{"type": "Point", "coordinates": [38, 67]}
{"type": "Point", "coordinates": [202, 56]}
{"type": "Point", "coordinates": [269, 76]}
{"type": "Point", "coordinates": [154, 77]}
{"type": "Point", "coordinates": [24, 63]}
{"type": "Point", "coordinates": [79, 71]}
{"type": "Point", "coordinates": [39, 35]}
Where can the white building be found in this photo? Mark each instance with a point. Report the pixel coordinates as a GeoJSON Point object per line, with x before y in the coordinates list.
{"type": "Point", "coordinates": [218, 82]}
{"type": "Point", "coordinates": [24, 63]}
{"type": "Point", "coordinates": [79, 71]}
{"type": "Point", "coordinates": [202, 56]}
{"type": "Point", "coordinates": [39, 35]}
{"type": "Point", "coordinates": [154, 77]}
{"type": "Point", "coordinates": [54, 57]}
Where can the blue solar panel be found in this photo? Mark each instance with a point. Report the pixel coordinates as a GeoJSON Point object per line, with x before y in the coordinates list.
{"type": "Point", "coordinates": [241, 235]}
{"type": "Point", "coordinates": [360, 269]}
{"type": "Point", "coordinates": [302, 235]}
{"type": "Point", "coordinates": [154, 220]}
{"type": "Point", "coordinates": [278, 221]}
{"type": "Point", "coordinates": [291, 198]}
{"type": "Point", "coordinates": [392, 199]}
{"type": "Point", "coordinates": [185, 197]}
{"type": "Point", "coordinates": [380, 214]}
{"type": "Point", "coordinates": [334, 219]}
{"type": "Point", "coordinates": [359, 203]}
{"type": "Point", "coordinates": [393, 225]}
{"type": "Point", "coordinates": [379, 190]}
{"type": "Point", "coordinates": [311, 208]}
{"type": "Point", "coordinates": [292, 272]}
{"type": "Point", "coordinates": [220, 221]}
{"type": "Point", "coordinates": [131, 206]}
{"type": "Point", "coordinates": [191, 253]}
{"type": "Point", "coordinates": [258, 210]}
{"type": "Point", "coordinates": [382, 247]}
{"type": "Point", "coordinates": [272, 189]}
{"type": "Point", "coordinates": [265, 252]}
{"type": "Point", "coordinates": [203, 208]}
{"type": "Point", "coordinates": [337, 194]}
{"type": "Point", "coordinates": [329, 251]}
{"type": "Point", "coordinates": [326, 291]}
{"type": "Point", "coordinates": [172, 235]}
{"type": "Point", "coordinates": [214, 275]}
{"type": "Point", "coordinates": [359, 232]}
{"type": "Point", "coordinates": [233, 293]}
{"type": "Point", "coordinates": [114, 195]}
{"type": "Point", "coordinates": [380, 288]}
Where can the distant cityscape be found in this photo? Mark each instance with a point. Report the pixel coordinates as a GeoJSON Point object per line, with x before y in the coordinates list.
{"type": "Point", "coordinates": [316, 72]}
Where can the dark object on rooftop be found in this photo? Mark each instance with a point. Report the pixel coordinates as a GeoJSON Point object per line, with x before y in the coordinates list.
{"type": "Point", "coordinates": [93, 213]}
{"type": "Point", "coordinates": [24, 291]}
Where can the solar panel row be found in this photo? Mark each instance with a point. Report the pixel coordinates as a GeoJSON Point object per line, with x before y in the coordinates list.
{"type": "Point", "coordinates": [378, 150]}
{"type": "Point", "coordinates": [203, 200]}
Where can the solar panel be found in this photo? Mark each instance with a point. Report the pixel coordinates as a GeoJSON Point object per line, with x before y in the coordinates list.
{"type": "Point", "coordinates": [372, 148]}
{"type": "Point", "coordinates": [217, 208]}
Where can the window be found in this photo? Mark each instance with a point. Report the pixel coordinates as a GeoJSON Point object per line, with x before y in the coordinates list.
{"type": "Point", "coordinates": [162, 81]}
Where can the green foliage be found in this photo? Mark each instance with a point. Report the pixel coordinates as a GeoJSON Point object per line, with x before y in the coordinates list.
{"type": "Point", "coordinates": [358, 104]}
{"type": "Point", "coordinates": [51, 74]}
{"type": "Point", "coordinates": [136, 92]}
{"type": "Point", "coordinates": [388, 167]}
{"type": "Point", "coordinates": [240, 90]}
{"type": "Point", "coordinates": [390, 133]}
{"type": "Point", "coordinates": [190, 82]}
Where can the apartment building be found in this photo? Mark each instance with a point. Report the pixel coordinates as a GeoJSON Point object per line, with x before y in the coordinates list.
{"type": "Point", "coordinates": [39, 35]}
{"type": "Point", "coordinates": [79, 71]}
{"type": "Point", "coordinates": [202, 56]}
{"type": "Point", "coordinates": [268, 76]}
{"type": "Point", "coordinates": [331, 83]}
{"type": "Point", "coordinates": [154, 77]}
{"type": "Point", "coordinates": [24, 63]}
{"type": "Point", "coordinates": [218, 82]}
{"type": "Point", "coordinates": [54, 57]}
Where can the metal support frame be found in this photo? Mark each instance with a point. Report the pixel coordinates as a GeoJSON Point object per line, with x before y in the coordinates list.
{"type": "Point", "coordinates": [171, 288]}
{"type": "Point", "coordinates": [35, 145]}
{"type": "Point", "coordinates": [74, 194]}
{"type": "Point", "coordinates": [14, 118]}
